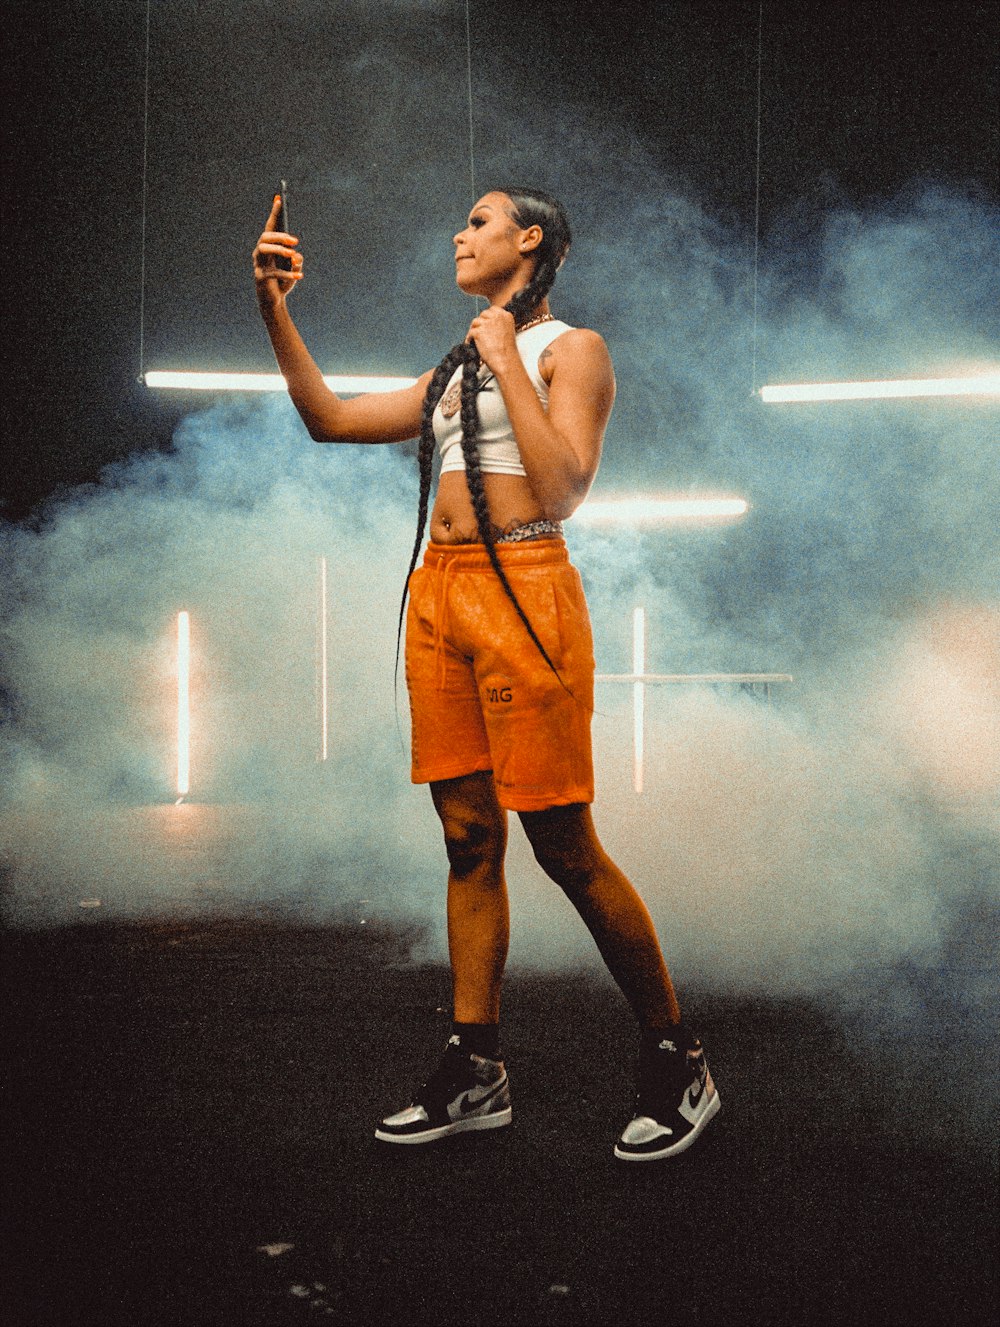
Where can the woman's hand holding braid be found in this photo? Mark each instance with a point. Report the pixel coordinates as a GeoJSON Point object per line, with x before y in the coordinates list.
{"type": "Point", "coordinates": [274, 283]}
{"type": "Point", "coordinates": [493, 332]}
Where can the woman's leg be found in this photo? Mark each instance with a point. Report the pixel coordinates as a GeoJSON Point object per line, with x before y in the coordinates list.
{"type": "Point", "coordinates": [475, 833]}
{"type": "Point", "coordinates": [469, 1089]}
{"type": "Point", "coordinates": [566, 846]}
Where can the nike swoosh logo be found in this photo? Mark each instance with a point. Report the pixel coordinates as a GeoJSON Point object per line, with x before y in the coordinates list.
{"type": "Point", "coordinates": [692, 1099]}
{"type": "Point", "coordinates": [469, 1101]}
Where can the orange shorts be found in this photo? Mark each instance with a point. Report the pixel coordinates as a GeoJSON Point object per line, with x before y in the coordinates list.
{"type": "Point", "coordinates": [481, 695]}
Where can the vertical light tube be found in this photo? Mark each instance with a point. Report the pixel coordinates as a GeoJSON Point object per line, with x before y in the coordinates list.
{"type": "Point", "coordinates": [323, 664]}
{"type": "Point", "coordinates": [638, 697]}
{"type": "Point", "coordinates": [183, 705]}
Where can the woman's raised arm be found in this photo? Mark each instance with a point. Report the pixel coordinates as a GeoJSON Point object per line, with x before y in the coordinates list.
{"type": "Point", "coordinates": [375, 417]}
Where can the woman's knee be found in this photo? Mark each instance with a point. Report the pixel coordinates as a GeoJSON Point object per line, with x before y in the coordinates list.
{"type": "Point", "coordinates": [573, 873]}
{"type": "Point", "coordinates": [475, 828]}
{"type": "Point", "coordinates": [565, 845]}
{"type": "Point", "coordinates": [472, 843]}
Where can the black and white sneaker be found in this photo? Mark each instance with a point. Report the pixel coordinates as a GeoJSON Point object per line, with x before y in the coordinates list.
{"type": "Point", "coordinates": [465, 1092]}
{"type": "Point", "coordinates": [675, 1100]}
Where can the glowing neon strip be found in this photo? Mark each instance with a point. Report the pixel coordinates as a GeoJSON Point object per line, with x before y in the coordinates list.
{"type": "Point", "coordinates": [984, 384]}
{"type": "Point", "coordinates": [638, 697]}
{"type": "Point", "coordinates": [324, 679]}
{"type": "Point", "coordinates": [267, 382]}
{"type": "Point", "coordinates": [183, 704]}
{"type": "Point", "coordinates": [654, 679]}
{"type": "Point", "coordinates": [632, 510]}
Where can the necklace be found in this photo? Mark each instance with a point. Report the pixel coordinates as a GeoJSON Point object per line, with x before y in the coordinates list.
{"type": "Point", "coordinates": [534, 322]}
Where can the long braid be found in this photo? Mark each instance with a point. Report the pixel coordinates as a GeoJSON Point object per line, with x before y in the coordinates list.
{"type": "Point", "coordinates": [425, 456]}
{"type": "Point", "coordinates": [477, 492]}
{"type": "Point", "coordinates": [528, 298]}
{"type": "Point", "coordinates": [530, 207]}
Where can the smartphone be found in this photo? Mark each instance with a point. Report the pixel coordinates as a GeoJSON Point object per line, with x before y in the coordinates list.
{"type": "Point", "coordinates": [283, 264]}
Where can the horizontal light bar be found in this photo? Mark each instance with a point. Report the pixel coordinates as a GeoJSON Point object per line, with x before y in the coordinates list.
{"type": "Point", "coordinates": [678, 678]}
{"type": "Point", "coordinates": [633, 510]}
{"type": "Point", "coordinates": [267, 382]}
{"type": "Point", "coordinates": [983, 384]}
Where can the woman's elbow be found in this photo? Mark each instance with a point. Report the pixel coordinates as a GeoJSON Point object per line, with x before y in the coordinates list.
{"type": "Point", "coordinates": [323, 423]}
{"type": "Point", "coordinates": [561, 510]}
{"type": "Point", "coordinates": [321, 428]}
{"type": "Point", "coordinates": [571, 495]}
{"type": "Point", "coordinates": [562, 505]}
{"type": "Point", "coordinates": [319, 434]}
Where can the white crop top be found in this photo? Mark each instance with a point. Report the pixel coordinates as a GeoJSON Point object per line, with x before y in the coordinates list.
{"type": "Point", "coordinates": [497, 445]}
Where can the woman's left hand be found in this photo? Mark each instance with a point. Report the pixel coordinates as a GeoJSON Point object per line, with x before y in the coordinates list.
{"type": "Point", "coordinates": [493, 332]}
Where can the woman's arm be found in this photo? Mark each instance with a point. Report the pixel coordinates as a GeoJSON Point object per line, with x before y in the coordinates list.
{"type": "Point", "coordinates": [375, 417]}
{"type": "Point", "coordinates": [560, 447]}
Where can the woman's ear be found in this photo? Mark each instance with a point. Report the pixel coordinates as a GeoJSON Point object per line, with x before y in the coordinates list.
{"type": "Point", "coordinates": [530, 239]}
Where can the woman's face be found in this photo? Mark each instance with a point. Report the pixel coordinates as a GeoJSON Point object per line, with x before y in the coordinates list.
{"type": "Point", "coordinates": [493, 249]}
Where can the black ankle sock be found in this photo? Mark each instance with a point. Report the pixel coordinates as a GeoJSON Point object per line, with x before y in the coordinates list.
{"type": "Point", "coordinates": [479, 1038]}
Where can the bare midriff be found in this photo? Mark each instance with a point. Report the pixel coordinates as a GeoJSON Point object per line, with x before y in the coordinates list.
{"type": "Point", "coordinates": [510, 498]}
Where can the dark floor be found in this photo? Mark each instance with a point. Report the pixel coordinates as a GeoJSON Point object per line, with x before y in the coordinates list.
{"type": "Point", "coordinates": [189, 1109]}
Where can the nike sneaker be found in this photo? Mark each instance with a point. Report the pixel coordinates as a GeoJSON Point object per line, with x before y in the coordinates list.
{"type": "Point", "coordinates": [675, 1100]}
{"type": "Point", "coordinates": [465, 1092]}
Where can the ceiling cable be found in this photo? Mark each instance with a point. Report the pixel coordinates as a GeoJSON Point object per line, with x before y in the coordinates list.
{"type": "Point", "coordinates": [756, 217]}
{"type": "Point", "coordinates": [142, 250]}
{"type": "Point", "coordinates": [468, 72]}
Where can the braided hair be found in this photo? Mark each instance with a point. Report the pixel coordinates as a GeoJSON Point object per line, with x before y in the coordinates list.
{"type": "Point", "coordinates": [529, 207]}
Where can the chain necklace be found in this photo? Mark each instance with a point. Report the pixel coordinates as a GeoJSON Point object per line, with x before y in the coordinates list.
{"type": "Point", "coordinates": [534, 322]}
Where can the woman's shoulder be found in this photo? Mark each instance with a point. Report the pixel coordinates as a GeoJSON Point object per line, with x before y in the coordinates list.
{"type": "Point", "coordinates": [579, 353]}
{"type": "Point", "coordinates": [556, 336]}
{"type": "Point", "coordinates": [578, 342]}
{"type": "Point", "coordinates": [580, 336]}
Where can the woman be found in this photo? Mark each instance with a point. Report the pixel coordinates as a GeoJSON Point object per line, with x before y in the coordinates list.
{"type": "Point", "coordinates": [499, 657]}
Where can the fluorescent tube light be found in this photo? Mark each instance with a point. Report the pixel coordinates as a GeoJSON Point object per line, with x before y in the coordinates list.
{"type": "Point", "coordinates": [629, 511]}
{"type": "Point", "coordinates": [982, 384]}
{"type": "Point", "coordinates": [267, 382]}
